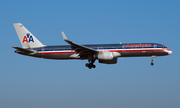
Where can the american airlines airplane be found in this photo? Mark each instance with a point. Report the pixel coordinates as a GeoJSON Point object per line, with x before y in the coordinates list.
{"type": "Point", "coordinates": [104, 53]}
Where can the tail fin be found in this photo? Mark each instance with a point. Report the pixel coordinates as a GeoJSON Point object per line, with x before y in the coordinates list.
{"type": "Point", "coordinates": [27, 39]}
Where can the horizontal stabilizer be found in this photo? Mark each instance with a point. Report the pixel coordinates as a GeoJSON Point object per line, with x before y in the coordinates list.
{"type": "Point", "coordinates": [23, 50]}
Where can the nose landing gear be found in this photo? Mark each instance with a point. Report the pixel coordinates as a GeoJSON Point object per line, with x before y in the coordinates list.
{"type": "Point", "coordinates": [152, 60]}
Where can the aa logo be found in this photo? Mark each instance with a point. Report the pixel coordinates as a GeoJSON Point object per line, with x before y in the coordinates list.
{"type": "Point", "coordinates": [28, 38]}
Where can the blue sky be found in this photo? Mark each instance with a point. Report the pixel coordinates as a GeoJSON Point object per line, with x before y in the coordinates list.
{"type": "Point", "coordinates": [27, 82]}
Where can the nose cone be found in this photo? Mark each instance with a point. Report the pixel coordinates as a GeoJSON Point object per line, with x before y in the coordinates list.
{"type": "Point", "coordinates": [169, 52]}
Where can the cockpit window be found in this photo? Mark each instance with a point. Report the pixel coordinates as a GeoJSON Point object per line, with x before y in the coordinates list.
{"type": "Point", "coordinates": [163, 47]}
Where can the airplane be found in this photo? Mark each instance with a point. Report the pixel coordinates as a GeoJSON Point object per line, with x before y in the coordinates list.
{"type": "Point", "coordinates": [104, 53]}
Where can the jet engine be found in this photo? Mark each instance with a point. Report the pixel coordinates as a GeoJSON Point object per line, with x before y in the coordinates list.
{"type": "Point", "coordinates": [108, 57]}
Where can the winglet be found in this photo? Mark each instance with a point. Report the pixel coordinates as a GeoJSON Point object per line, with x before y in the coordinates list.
{"type": "Point", "coordinates": [64, 36]}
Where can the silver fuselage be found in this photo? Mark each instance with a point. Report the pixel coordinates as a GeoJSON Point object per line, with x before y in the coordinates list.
{"type": "Point", "coordinates": [125, 50]}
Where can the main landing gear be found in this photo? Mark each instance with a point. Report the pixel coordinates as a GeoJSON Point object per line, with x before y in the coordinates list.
{"type": "Point", "coordinates": [90, 65]}
{"type": "Point", "coordinates": [91, 61]}
{"type": "Point", "coordinates": [152, 60]}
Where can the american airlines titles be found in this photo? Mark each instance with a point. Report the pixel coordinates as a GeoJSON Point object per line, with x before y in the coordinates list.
{"type": "Point", "coordinates": [138, 45]}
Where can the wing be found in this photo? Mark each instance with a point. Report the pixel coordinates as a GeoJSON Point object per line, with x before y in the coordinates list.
{"type": "Point", "coordinates": [80, 49]}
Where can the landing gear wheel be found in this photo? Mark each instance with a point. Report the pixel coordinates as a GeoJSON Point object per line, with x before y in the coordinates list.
{"type": "Point", "coordinates": [87, 65]}
{"type": "Point", "coordinates": [152, 64]}
{"type": "Point", "coordinates": [90, 65]}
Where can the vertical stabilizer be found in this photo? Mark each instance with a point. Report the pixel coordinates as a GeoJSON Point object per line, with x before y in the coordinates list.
{"type": "Point", "coordinates": [27, 39]}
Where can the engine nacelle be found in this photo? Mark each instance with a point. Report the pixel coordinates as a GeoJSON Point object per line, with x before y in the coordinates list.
{"type": "Point", "coordinates": [107, 55]}
{"type": "Point", "coordinates": [114, 61]}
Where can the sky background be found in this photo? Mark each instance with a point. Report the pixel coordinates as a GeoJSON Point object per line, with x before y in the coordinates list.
{"type": "Point", "coordinates": [27, 82]}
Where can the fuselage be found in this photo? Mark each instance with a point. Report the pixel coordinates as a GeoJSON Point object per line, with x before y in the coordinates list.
{"type": "Point", "coordinates": [125, 50]}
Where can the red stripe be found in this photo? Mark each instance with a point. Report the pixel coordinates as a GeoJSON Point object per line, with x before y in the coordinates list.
{"type": "Point", "coordinates": [167, 50]}
{"type": "Point", "coordinates": [57, 52]}
{"type": "Point", "coordinates": [124, 50]}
